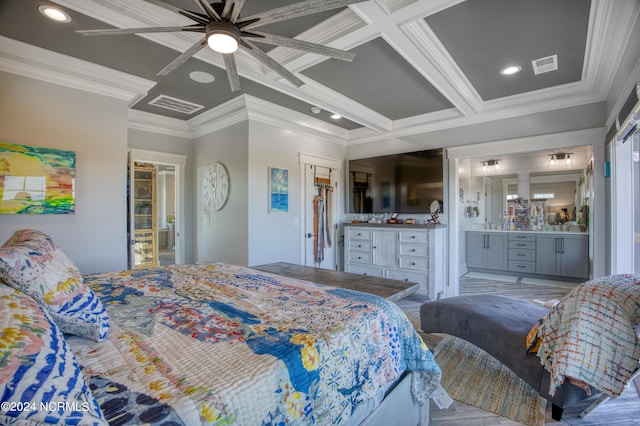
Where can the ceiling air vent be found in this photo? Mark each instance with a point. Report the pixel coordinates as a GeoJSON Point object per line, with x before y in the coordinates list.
{"type": "Point", "coordinates": [174, 104]}
{"type": "Point", "coordinates": [542, 65]}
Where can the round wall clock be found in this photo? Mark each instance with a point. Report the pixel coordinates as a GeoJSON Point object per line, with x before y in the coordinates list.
{"type": "Point", "coordinates": [215, 186]}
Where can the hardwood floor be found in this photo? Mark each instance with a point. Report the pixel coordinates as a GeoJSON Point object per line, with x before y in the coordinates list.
{"type": "Point", "coordinates": [624, 410]}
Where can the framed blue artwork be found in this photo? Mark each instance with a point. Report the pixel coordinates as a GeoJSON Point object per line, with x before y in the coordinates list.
{"type": "Point", "coordinates": [278, 190]}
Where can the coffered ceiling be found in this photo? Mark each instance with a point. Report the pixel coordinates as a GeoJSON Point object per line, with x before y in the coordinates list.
{"type": "Point", "coordinates": [420, 65]}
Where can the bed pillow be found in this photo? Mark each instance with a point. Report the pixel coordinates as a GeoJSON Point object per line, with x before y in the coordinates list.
{"type": "Point", "coordinates": [32, 262]}
{"type": "Point", "coordinates": [40, 380]}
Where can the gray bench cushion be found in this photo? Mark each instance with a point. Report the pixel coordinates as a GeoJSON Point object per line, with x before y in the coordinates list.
{"type": "Point", "coordinates": [497, 324]}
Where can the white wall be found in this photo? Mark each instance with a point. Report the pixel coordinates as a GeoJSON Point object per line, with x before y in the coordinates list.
{"type": "Point", "coordinates": [225, 239]}
{"type": "Point", "coordinates": [276, 237]}
{"type": "Point", "coordinates": [36, 113]}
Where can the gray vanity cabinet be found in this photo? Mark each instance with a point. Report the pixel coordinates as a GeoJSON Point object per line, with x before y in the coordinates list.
{"type": "Point", "coordinates": [564, 255]}
{"type": "Point", "coordinates": [487, 250]}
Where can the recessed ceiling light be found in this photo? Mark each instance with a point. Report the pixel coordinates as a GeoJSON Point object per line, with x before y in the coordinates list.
{"type": "Point", "coordinates": [510, 70]}
{"type": "Point", "coordinates": [336, 116]}
{"type": "Point", "coordinates": [202, 77]}
{"type": "Point", "coordinates": [54, 14]}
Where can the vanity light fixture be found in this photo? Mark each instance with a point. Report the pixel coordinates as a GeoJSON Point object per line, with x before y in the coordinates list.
{"type": "Point", "coordinates": [490, 163]}
{"type": "Point", "coordinates": [559, 156]}
{"type": "Point", "coordinates": [54, 13]}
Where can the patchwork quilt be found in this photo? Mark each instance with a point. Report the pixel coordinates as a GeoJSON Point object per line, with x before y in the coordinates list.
{"type": "Point", "coordinates": [591, 336]}
{"type": "Point", "coordinates": [222, 344]}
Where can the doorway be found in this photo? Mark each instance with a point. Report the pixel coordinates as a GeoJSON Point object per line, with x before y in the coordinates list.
{"type": "Point", "coordinates": [320, 178]}
{"type": "Point", "coordinates": [165, 221]}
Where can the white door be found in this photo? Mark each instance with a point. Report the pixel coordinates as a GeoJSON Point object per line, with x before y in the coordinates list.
{"type": "Point", "coordinates": [320, 210]}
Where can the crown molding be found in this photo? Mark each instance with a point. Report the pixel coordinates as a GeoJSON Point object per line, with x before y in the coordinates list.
{"type": "Point", "coordinates": [149, 122]}
{"type": "Point", "coordinates": [24, 59]}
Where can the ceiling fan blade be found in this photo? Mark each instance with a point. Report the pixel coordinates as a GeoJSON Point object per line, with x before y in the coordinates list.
{"type": "Point", "coordinates": [232, 10]}
{"type": "Point", "coordinates": [209, 10]}
{"type": "Point", "coordinates": [183, 57]}
{"type": "Point", "coordinates": [191, 15]}
{"type": "Point", "coordinates": [232, 71]}
{"type": "Point", "coordinates": [307, 7]}
{"type": "Point", "coordinates": [268, 61]}
{"type": "Point", "coordinates": [306, 46]}
{"type": "Point", "coordinates": [121, 31]}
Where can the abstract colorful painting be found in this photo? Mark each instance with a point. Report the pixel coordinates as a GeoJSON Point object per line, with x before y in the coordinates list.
{"type": "Point", "coordinates": [36, 180]}
{"type": "Point", "coordinates": [279, 192]}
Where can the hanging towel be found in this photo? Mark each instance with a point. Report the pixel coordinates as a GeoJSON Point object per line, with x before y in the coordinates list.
{"type": "Point", "coordinates": [320, 234]}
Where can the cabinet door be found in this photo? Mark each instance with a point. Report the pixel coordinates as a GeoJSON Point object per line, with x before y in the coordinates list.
{"type": "Point", "coordinates": [547, 255]}
{"type": "Point", "coordinates": [496, 252]}
{"type": "Point", "coordinates": [385, 248]}
{"type": "Point", "coordinates": [575, 255]}
{"type": "Point", "coordinates": [475, 249]}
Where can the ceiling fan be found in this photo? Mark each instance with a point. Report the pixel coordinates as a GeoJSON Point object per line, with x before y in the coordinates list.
{"type": "Point", "coordinates": [225, 30]}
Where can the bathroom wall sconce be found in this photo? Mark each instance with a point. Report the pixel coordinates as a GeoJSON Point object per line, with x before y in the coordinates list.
{"type": "Point", "coordinates": [490, 163]}
{"type": "Point", "coordinates": [560, 156]}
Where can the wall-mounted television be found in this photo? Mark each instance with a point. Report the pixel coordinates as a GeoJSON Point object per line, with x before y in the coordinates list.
{"type": "Point", "coordinates": [403, 183]}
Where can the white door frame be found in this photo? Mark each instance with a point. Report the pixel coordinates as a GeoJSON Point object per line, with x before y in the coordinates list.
{"type": "Point", "coordinates": [329, 163]}
{"type": "Point", "coordinates": [179, 162]}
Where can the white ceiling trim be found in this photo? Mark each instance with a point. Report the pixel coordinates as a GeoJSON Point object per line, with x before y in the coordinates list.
{"type": "Point", "coordinates": [31, 61]}
{"type": "Point", "coordinates": [229, 113]}
{"type": "Point", "coordinates": [535, 143]}
{"type": "Point", "coordinates": [148, 122]}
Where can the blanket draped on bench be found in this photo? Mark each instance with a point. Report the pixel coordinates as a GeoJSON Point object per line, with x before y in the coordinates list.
{"type": "Point", "coordinates": [591, 336]}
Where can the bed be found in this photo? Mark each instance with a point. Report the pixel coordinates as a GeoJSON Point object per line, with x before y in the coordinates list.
{"type": "Point", "coordinates": [200, 344]}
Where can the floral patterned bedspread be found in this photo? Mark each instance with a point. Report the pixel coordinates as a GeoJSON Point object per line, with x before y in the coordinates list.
{"type": "Point", "coordinates": [222, 344]}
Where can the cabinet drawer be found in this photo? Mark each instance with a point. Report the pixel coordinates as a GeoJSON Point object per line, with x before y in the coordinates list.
{"type": "Point", "coordinates": [527, 245]}
{"type": "Point", "coordinates": [359, 245]}
{"type": "Point", "coordinates": [414, 249]}
{"type": "Point", "coordinates": [520, 266]}
{"type": "Point", "coordinates": [413, 277]}
{"type": "Point", "coordinates": [417, 263]}
{"type": "Point", "coordinates": [365, 270]}
{"type": "Point", "coordinates": [528, 255]}
{"type": "Point", "coordinates": [413, 237]}
{"type": "Point", "coordinates": [522, 237]}
{"type": "Point", "coordinates": [359, 257]}
{"type": "Point", "coordinates": [359, 234]}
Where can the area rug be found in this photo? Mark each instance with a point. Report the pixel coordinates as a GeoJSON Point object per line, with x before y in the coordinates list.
{"type": "Point", "coordinates": [474, 377]}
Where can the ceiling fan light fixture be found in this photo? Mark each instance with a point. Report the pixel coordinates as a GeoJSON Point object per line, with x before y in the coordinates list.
{"type": "Point", "coordinates": [54, 14]}
{"type": "Point", "coordinates": [223, 37]}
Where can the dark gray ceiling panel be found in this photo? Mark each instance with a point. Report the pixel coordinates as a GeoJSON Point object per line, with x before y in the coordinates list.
{"type": "Point", "coordinates": [382, 80]}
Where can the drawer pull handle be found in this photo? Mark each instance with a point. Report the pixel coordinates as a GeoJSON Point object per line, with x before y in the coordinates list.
{"type": "Point", "coordinates": [413, 250]}
{"type": "Point", "coordinates": [359, 245]}
{"type": "Point", "coordinates": [413, 236]}
{"type": "Point", "coordinates": [413, 264]}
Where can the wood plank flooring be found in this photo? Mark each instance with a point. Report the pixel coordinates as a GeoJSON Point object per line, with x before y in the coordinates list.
{"type": "Point", "coordinates": [624, 410]}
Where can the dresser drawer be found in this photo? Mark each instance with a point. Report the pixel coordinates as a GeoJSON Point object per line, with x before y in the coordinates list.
{"type": "Point", "coordinates": [528, 245]}
{"type": "Point", "coordinates": [365, 270]}
{"type": "Point", "coordinates": [517, 254]}
{"type": "Point", "coordinates": [417, 263]}
{"type": "Point", "coordinates": [521, 266]}
{"type": "Point", "coordinates": [414, 250]}
{"type": "Point", "coordinates": [358, 234]}
{"type": "Point", "coordinates": [359, 257]}
{"type": "Point", "coordinates": [522, 237]}
{"type": "Point", "coordinates": [413, 237]}
{"type": "Point", "coordinates": [412, 277]}
{"type": "Point", "coordinates": [359, 245]}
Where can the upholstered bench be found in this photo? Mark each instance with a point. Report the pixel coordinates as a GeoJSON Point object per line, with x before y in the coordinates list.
{"type": "Point", "coordinates": [499, 325]}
